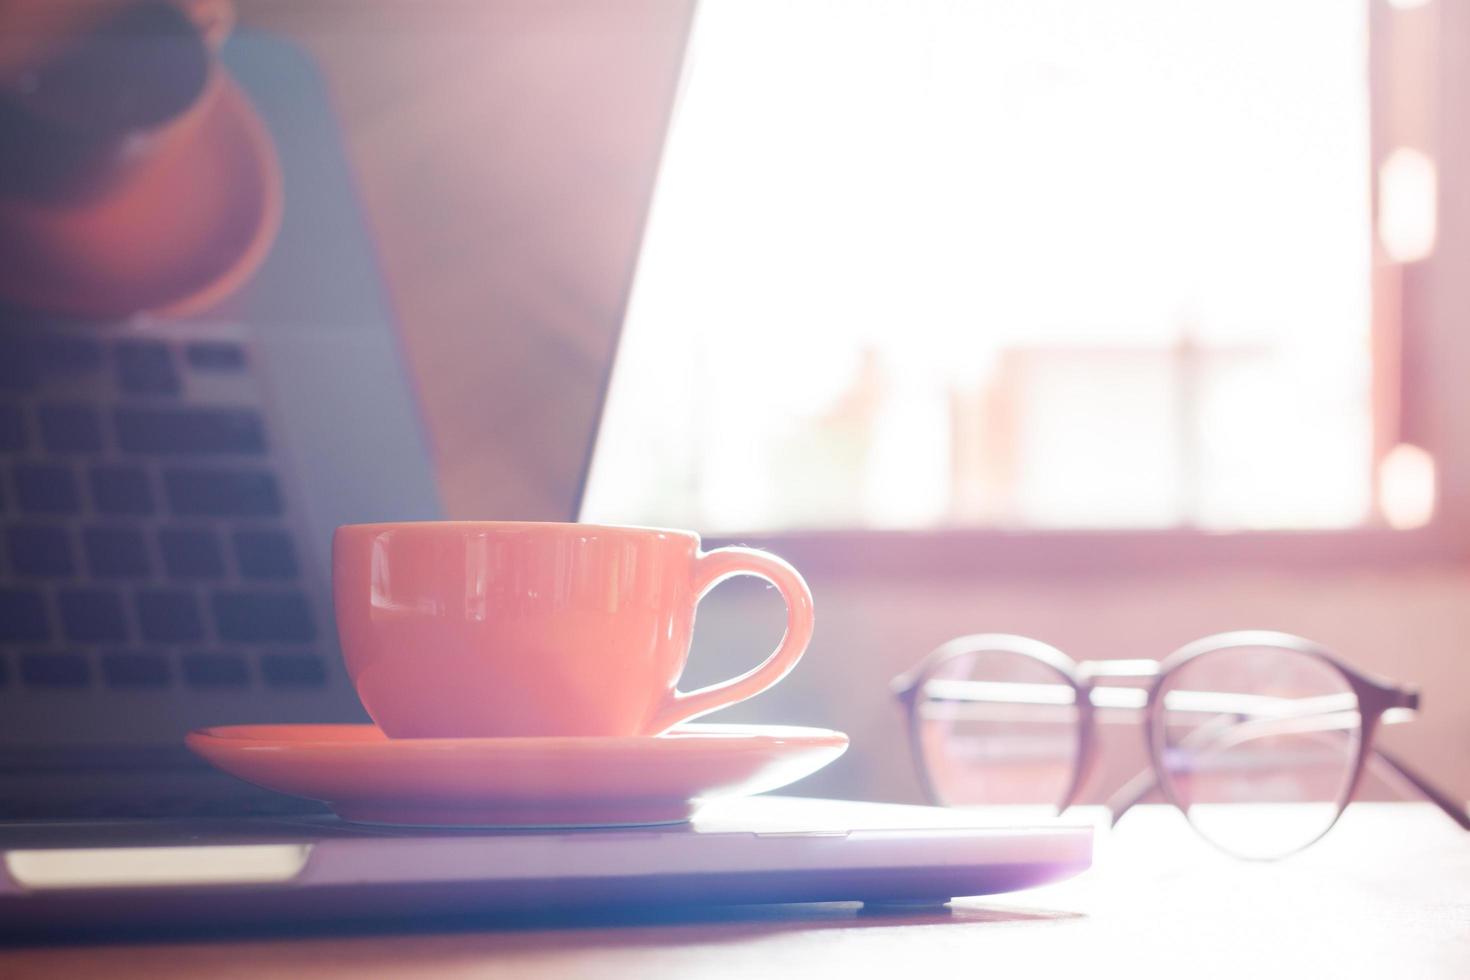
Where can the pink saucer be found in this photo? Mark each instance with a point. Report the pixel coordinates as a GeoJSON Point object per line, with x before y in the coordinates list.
{"type": "Point", "coordinates": [517, 782]}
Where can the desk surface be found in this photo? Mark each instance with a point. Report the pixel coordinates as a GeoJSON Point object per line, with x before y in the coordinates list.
{"type": "Point", "coordinates": [1386, 894]}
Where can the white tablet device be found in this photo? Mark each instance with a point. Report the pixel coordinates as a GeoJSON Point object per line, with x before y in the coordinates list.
{"type": "Point", "coordinates": [125, 875]}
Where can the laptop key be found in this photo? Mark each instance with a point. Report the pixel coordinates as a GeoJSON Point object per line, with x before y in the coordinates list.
{"type": "Point", "coordinates": [189, 431]}
{"type": "Point", "coordinates": [126, 668]}
{"type": "Point", "coordinates": [92, 616]}
{"type": "Point", "coordinates": [121, 490]}
{"type": "Point", "coordinates": [263, 617]}
{"type": "Point", "coordinates": [116, 552]}
{"type": "Point", "coordinates": [168, 616]}
{"type": "Point", "coordinates": [17, 366]}
{"type": "Point", "coordinates": [222, 493]}
{"type": "Point", "coordinates": [265, 554]}
{"type": "Point", "coordinates": [145, 367]}
{"type": "Point", "coordinates": [39, 550]}
{"type": "Point", "coordinates": [215, 670]}
{"type": "Point", "coordinates": [55, 670]}
{"type": "Point", "coordinates": [208, 355]}
{"type": "Point", "coordinates": [191, 553]}
{"type": "Point", "coordinates": [66, 355]}
{"type": "Point", "coordinates": [23, 617]}
{"type": "Point", "coordinates": [13, 435]}
{"type": "Point", "coordinates": [47, 489]}
{"type": "Point", "coordinates": [292, 670]}
{"type": "Point", "coordinates": [71, 428]}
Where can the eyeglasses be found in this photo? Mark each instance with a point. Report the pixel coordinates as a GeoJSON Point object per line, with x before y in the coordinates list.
{"type": "Point", "coordinates": [1260, 738]}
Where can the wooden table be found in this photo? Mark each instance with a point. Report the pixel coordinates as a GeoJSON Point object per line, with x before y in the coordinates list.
{"type": "Point", "coordinates": [1387, 894]}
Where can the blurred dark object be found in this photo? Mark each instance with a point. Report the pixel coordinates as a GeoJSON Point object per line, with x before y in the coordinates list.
{"type": "Point", "coordinates": [70, 124]}
{"type": "Point", "coordinates": [134, 174]}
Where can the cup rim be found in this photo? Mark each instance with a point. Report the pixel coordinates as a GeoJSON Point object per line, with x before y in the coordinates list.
{"type": "Point", "coordinates": [568, 527]}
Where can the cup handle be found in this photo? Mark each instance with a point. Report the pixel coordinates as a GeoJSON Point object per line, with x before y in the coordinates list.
{"type": "Point", "coordinates": [710, 569]}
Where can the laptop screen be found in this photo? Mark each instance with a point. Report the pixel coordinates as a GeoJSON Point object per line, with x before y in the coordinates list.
{"type": "Point", "coordinates": [169, 483]}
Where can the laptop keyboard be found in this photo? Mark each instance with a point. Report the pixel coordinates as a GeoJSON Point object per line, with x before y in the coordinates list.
{"type": "Point", "coordinates": [145, 538]}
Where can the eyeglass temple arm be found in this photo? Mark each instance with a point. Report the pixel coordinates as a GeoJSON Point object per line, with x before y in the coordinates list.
{"type": "Point", "coordinates": [1396, 770]}
{"type": "Point", "coordinates": [1137, 789]}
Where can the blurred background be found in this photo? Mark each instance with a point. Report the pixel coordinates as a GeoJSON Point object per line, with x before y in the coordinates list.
{"type": "Point", "coordinates": [1114, 325]}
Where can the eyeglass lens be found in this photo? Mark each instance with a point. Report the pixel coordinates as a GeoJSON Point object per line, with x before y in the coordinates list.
{"type": "Point", "coordinates": [997, 728]}
{"type": "Point", "coordinates": [1241, 731]}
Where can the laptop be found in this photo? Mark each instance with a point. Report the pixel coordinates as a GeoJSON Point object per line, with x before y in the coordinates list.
{"type": "Point", "coordinates": [168, 489]}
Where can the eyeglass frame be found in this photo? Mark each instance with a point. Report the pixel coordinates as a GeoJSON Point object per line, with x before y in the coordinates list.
{"type": "Point", "coordinates": [1376, 698]}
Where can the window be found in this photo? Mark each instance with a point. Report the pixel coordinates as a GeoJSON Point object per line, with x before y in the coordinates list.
{"type": "Point", "coordinates": [1020, 264]}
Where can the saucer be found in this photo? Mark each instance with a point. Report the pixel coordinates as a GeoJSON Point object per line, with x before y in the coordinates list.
{"type": "Point", "coordinates": [367, 777]}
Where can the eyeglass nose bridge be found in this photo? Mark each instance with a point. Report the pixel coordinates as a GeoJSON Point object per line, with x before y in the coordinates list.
{"type": "Point", "coordinates": [1090, 670]}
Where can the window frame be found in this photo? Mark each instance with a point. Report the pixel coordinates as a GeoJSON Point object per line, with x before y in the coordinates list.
{"type": "Point", "coordinates": [1419, 58]}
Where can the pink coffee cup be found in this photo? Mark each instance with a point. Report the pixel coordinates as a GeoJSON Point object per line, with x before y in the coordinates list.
{"type": "Point", "coordinates": [489, 628]}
